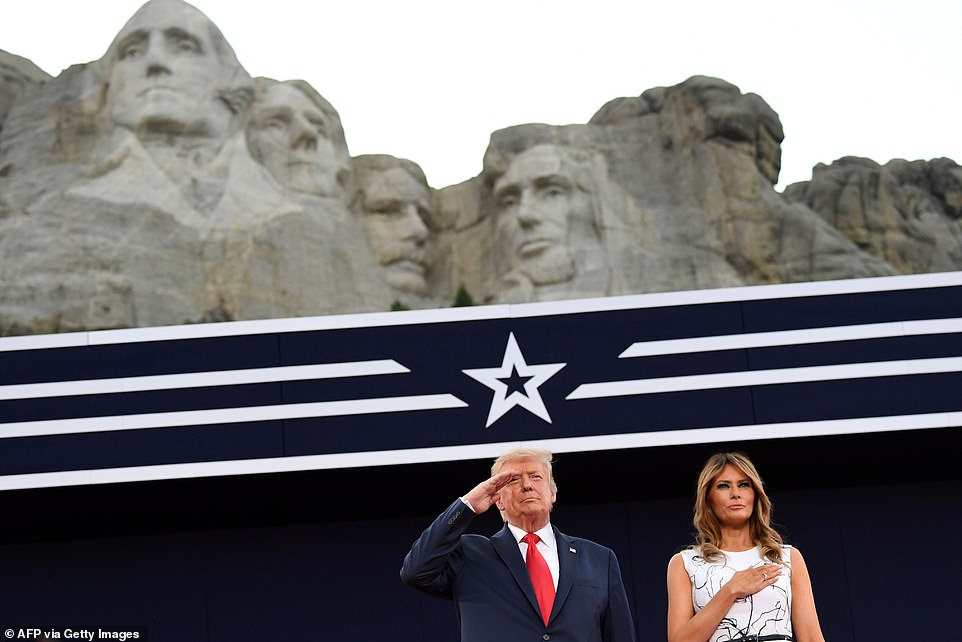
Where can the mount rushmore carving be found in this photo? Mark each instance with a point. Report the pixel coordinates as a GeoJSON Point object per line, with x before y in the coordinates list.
{"type": "Point", "coordinates": [163, 185]}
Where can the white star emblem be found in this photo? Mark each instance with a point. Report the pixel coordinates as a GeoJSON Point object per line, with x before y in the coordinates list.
{"type": "Point", "coordinates": [517, 372]}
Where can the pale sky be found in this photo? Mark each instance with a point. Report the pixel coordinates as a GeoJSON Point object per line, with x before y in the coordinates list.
{"type": "Point", "coordinates": [429, 80]}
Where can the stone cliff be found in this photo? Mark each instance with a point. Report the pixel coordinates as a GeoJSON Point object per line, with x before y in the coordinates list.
{"type": "Point", "coordinates": [163, 185]}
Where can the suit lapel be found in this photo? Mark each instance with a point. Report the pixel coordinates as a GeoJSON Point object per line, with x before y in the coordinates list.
{"type": "Point", "coordinates": [567, 569]}
{"type": "Point", "coordinates": [507, 549]}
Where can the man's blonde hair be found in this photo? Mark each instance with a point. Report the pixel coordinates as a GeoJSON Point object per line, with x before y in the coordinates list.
{"type": "Point", "coordinates": [542, 456]}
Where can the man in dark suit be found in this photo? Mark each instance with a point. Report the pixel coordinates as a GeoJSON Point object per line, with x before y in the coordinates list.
{"type": "Point", "coordinates": [580, 596]}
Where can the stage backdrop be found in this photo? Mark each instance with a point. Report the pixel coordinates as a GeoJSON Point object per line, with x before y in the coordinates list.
{"type": "Point", "coordinates": [263, 480]}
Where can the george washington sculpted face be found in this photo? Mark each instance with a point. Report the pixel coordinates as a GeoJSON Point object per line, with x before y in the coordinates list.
{"type": "Point", "coordinates": [168, 67]}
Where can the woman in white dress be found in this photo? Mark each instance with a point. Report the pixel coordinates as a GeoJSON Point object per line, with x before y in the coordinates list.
{"type": "Point", "coordinates": [738, 582]}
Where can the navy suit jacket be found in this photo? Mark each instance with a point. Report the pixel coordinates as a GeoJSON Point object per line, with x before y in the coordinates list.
{"type": "Point", "coordinates": [488, 582]}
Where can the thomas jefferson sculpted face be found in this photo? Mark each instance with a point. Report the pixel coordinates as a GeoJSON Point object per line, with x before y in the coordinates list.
{"type": "Point", "coordinates": [291, 135]}
{"type": "Point", "coordinates": [537, 199]}
{"type": "Point", "coordinates": [169, 66]}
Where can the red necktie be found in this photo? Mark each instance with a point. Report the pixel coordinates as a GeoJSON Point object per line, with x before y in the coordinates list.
{"type": "Point", "coordinates": [540, 575]}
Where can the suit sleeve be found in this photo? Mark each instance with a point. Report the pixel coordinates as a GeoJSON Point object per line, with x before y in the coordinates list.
{"type": "Point", "coordinates": [619, 625]}
{"type": "Point", "coordinates": [436, 556]}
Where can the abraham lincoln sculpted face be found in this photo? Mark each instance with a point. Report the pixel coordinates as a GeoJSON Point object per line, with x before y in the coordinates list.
{"type": "Point", "coordinates": [540, 203]}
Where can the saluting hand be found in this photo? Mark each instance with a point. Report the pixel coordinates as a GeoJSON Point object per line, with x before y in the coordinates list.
{"type": "Point", "coordinates": [487, 492]}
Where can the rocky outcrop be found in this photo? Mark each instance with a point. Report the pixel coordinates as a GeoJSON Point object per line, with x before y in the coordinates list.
{"type": "Point", "coordinates": [16, 76]}
{"type": "Point", "coordinates": [678, 191]}
{"type": "Point", "coordinates": [906, 213]}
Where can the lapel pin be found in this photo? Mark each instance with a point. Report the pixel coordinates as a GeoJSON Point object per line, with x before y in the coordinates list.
{"type": "Point", "coordinates": [572, 550]}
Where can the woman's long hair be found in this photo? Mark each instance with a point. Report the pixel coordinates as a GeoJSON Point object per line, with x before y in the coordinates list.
{"type": "Point", "coordinates": [707, 525]}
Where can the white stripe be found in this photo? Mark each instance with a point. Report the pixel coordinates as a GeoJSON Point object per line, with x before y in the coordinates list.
{"type": "Point", "coordinates": [751, 432]}
{"type": "Point", "coordinates": [200, 379]}
{"type": "Point", "coordinates": [484, 312]}
{"type": "Point", "coordinates": [480, 451]}
{"type": "Point", "coordinates": [737, 294]}
{"type": "Point", "coordinates": [229, 415]}
{"type": "Point", "coordinates": [766, 377]}
{"type": "Point", "coordinates": [44, 341]}
{"type": "Point", "coordinates": [298, 324]}
{"type": "Point", "coordinates": [793, 337]}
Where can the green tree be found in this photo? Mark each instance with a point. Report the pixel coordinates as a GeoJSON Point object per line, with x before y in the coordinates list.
{"type": "Point", "coordinates": [462, 298]}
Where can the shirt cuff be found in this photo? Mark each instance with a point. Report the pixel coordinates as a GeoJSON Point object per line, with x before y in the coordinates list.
{"type": "Point", "coordinates": [468, 504]}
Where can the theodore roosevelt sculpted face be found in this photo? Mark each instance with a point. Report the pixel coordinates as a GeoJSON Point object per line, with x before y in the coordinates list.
{"type": "Point", "coordinates": [394, 208]}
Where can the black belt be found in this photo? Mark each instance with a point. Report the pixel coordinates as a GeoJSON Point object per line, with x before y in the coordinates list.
{"type": "Point", "coordinates": [761, 638]}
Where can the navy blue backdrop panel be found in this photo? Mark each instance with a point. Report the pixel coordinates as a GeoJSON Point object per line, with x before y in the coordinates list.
{"type": "Point", "coordinates": [337, 579]}
{"type": "Point", "coordinates": [249, 481]}
{"type": "Point", "coordinates": [416, 387]}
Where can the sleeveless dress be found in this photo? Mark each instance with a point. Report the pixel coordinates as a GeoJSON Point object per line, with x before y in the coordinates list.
{"type": "Point", "coordinates": [768, 612]}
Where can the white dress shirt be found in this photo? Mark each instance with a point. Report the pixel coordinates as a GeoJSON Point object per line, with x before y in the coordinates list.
{"type": "Point", "coordinates": [548, 547]}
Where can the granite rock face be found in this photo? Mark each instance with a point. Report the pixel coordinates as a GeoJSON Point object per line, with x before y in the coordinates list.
{"type": "Point", "coordinates": [907, 213]}
{"type": "Point", "coordinates": [671, 190]}
{"type": "Point", "coordinates": [163, 185]}
{"type": "Point", "coordinates": [16, 75]}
